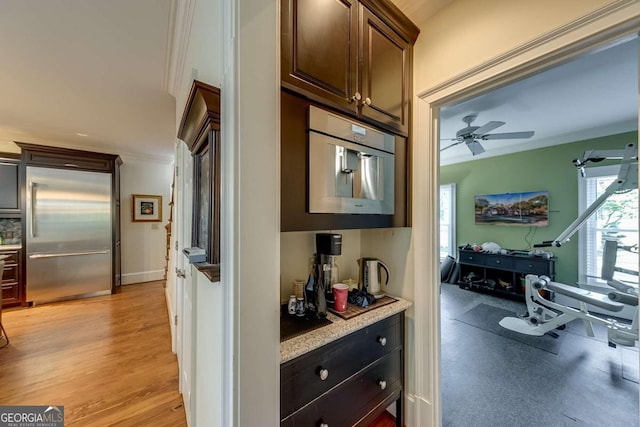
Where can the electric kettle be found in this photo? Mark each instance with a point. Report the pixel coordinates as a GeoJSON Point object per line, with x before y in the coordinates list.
{"type": "Point", "coordinates": [369, 276]}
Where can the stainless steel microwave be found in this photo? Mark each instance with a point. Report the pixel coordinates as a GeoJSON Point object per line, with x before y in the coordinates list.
{"type": "Point", "coordinates": [351, 166]}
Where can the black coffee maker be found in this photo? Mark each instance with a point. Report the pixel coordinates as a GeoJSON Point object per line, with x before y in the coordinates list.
{"type": "Point", "coordinates": [328, 246]}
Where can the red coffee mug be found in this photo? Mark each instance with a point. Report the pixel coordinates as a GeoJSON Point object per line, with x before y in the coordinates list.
{"type": "Point", "coordinates": [340, 292]}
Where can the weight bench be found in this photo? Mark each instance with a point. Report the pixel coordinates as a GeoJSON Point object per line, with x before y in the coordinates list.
{"type": "Point", "coordinates": [544, 315]}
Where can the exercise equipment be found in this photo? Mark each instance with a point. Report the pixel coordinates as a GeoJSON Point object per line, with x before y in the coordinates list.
{"type": "Point", "coordinates": [544, 315]}
{"type": "Point", "coordinates": [627, 180]}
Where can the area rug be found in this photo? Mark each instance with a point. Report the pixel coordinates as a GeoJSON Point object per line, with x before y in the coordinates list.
{"type": "Point", "coordinates": [487, 317]}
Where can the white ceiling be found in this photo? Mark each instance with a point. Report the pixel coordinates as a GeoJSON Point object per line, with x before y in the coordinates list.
{"type": "Point", "coordinates": [594, 95]}
{"type": "Point", "coordinates": [94, 67]}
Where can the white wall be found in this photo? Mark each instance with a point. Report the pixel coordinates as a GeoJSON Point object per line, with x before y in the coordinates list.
{"type": "Point", "coordinates": [143, 243]}
{"type": "Point", "coordinates": [199, 56]}
{"type": "Point", "coordinates": [255, 141]}
{"type": "Point", "coordinates": [451, 42]}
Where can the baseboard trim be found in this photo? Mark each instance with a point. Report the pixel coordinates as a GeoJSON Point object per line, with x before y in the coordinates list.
{"type": "Point", "coordinates": [409, 410]}
{"type": "Point", "coordinates": [142, 276]}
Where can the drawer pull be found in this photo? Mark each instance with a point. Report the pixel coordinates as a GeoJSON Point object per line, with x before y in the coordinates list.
{"type": "Point", "coordinates": [497, 261]}
{"type": "Point", "coordinates": [324, 425]}
{"type": "Point", "coordinates": [323, 373]}
{"type": "Point", "coordinates": [382, 384]}
{"type": "Point", "coordinates": [382, 341]}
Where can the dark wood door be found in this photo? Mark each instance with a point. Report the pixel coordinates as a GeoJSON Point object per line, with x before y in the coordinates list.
{"type": "Point", "coordinates": [9, 187]}
{"type": "Point", "coordinates": [319, 50]}
{"type": "Point", "coordinates": [385, 74]}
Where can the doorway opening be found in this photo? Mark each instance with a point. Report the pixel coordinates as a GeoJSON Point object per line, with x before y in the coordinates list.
{"type": "Point", "coordinates": [521, 138]}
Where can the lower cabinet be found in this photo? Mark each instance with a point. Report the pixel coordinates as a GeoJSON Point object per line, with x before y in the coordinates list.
{"type": "Point", "coordinates": [11, 283]}
{"type": "Point", "coordinates": [502, 275]}
{"type": "Point", "coordinates": [348, 382]}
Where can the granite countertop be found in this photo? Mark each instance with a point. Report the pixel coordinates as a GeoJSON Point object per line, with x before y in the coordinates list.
{"type": "Point", "coordinates": [297, 346]}
{"type": "Point", "coordinates": [10, 247]}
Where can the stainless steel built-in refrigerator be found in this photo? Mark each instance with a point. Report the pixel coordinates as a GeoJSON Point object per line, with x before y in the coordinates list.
{"type": "Point", "coordinates": [68, 226]}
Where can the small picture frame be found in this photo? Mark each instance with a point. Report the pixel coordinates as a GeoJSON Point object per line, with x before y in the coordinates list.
{"type": "Point", "coordinates": [146, 208]}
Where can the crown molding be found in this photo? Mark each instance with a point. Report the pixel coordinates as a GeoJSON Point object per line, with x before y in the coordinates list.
{"type": "Point", "coordinates": [180, 23]}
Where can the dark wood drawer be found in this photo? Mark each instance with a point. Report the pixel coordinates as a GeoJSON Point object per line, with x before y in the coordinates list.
{"type": "Point", "coordinates": [351, 401]}
{"type": "Point", "coordinates": [11, 274]}
{"type": "Point", "coordinates": [532, 266]}
{"type": "Point", "coordinates": [14, 257]}
{"type": "Point", "coordinates": [10, 294]}
{"type": "Point", "coordinates": [300, 379]}
{"type": "Point", "coordinates": [501, 262]}
{"type": "Point", "coordinates": [473, 258]}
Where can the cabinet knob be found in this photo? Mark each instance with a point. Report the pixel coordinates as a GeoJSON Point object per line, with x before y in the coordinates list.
{"type": "Point", "coordinates": [356, 97]}
{"type": "Point", "coordinates": [382, 341]}
{"type": "Point", "coordinates": [367, 101]}
{"type": "Point", "coordinates": [323, 373]}
{"type": "Point", "coordinates": [324, 425]}
{"type": "Point", "coordinates": [382, 384]}
{"type": "Point", "coordinates": [498, 261]}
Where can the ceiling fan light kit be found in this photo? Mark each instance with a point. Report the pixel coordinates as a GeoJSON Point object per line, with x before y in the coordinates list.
{"type": "Point", "coordinates": [472, 135]}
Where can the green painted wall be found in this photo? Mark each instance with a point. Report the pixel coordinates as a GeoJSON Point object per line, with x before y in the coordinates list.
{"type": "Point", "coordinates": [545, 169]}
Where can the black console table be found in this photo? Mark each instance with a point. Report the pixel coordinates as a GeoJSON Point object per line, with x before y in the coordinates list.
{"type": "Point", "coordinates": [501, 274]}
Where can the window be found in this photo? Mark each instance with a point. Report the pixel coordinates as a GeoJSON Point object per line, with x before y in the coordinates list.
{"type": "Point", "coordinates": [616, 220]}
{"type": "Point", "coordinates": [200, 130]}
{"type": "Point", "coordinates": [447, 221]}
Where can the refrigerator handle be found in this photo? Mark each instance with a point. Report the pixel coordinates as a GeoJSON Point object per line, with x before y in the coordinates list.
{"type": "Point", "coordinates": [32, 221]}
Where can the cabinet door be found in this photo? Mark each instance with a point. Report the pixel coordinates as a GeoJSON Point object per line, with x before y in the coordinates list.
{"type": "Point", "coordinates": [319, 50]}
{"type": "Point", "coordinates": [9, 187]}
{"type": "Point", "coordinates": [385, 74]}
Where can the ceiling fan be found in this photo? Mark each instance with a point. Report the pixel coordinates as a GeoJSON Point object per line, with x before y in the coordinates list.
{"type": "Point", "coordinates": [472, 135]}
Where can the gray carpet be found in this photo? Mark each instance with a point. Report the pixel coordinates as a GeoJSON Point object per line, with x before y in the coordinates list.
{"type": "Point", "coordinates": [487, 317]}
{"type": "Point", "coordinates": [489, 380]}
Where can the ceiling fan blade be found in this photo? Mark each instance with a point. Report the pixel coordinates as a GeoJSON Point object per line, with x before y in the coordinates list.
{"type": "Point", "coordinates": [449, 146]}
{"type": "Point", "coordinates": [487, 128]}
{"type": "Point", "coordinates": [475, 147]}
{"type": "Point", "coordinates": [509, 135]}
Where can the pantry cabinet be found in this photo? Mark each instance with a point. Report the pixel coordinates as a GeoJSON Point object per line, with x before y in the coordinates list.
{"type": "Point", "coordinates": [352, 56]}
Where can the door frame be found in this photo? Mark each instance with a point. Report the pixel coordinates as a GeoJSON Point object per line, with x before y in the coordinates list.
{"type": "Point", "coordinates": [565, 43]}
{"type": "Point", "coordinates": [186, 286]}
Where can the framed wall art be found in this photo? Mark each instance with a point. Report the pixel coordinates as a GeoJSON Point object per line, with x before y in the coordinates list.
{"type": "Point", "coordinates": [526, 209]}
{"type": "Point", "coordinates": [146, 208]}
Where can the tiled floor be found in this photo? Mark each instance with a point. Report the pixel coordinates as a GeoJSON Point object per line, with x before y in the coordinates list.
{"type": "Point", "coordinates": [490, 380]}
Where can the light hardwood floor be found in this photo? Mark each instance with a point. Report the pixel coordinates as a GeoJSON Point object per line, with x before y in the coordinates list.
{"type": "Point", "coordinates": [106, 359]}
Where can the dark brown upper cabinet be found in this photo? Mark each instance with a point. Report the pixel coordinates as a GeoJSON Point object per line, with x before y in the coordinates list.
{"type": "Point", "coordinates": [9, 185]}
{"type": "Point", "coordinates": [200, 130]}
{"type": "Point", "coordinates": [352, 56]}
